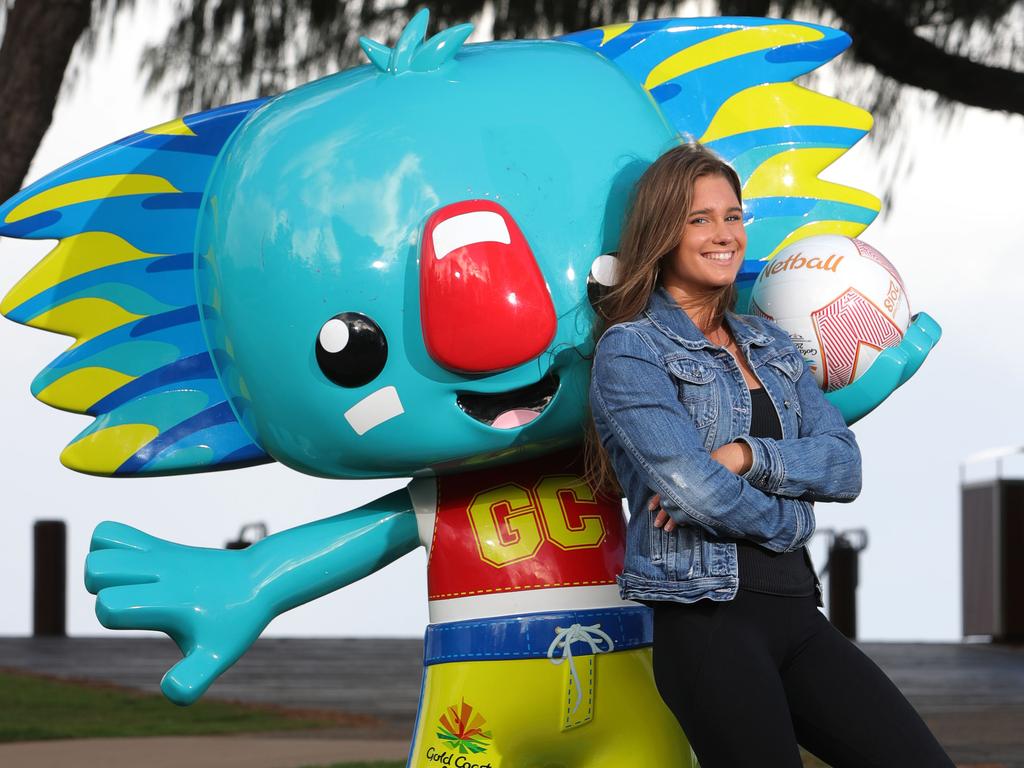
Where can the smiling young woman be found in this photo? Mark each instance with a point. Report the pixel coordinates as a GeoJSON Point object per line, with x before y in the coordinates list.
{"type": "Point", "coordinates": [721, 440]}
{"type": "Point", "coordinates": [712, 245]}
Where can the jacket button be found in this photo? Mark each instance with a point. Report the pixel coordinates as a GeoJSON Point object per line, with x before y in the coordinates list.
{"type": "Point", "coordinates": [785, 403]}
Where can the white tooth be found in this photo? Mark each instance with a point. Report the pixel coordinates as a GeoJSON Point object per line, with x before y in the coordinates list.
{"type": "Point", "coordinates": [374, 409]}
{"type": "Point", "coordinates": [468, 228]}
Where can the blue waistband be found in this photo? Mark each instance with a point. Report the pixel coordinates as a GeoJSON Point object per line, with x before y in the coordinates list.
{"type": "Point", "coordinates": [531, 636]}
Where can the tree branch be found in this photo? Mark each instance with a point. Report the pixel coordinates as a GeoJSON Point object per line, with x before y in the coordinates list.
{"type": "Point", "coordinates": [37, 44]}
{"type": "Point", "coordinates": [883, 40]}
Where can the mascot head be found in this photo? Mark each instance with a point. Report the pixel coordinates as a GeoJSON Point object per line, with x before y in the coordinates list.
{"type": "Point", "coordinates": [385, 272]}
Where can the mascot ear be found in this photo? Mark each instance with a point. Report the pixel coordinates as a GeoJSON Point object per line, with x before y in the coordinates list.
{"type": "Point", "coordinates": [727, 83]}
{"type": "Point", "coordinates": [122, 282]}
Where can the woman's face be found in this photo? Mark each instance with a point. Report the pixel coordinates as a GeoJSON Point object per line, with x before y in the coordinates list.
{"type": "Point", "coordinates": [711, 249]}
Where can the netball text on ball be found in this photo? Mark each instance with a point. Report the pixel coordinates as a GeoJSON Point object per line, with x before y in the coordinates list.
{"type": "Point", "coordinates": [796, 261]}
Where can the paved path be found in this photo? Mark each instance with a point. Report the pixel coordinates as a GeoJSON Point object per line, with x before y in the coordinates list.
{"type": "Point", "coordinates": [972, 696]}
{"type": "Point", "coordinates": [380, 678]}
{"type": "Point", "coordinates": [197, 752]}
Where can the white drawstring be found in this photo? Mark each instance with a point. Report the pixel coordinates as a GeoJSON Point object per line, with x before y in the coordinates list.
{"type": "Point", "coordinates": [564, 638]}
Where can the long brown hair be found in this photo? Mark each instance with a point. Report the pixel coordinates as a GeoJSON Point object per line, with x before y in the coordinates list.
{"type": "Point", "coordinates": [654, 226]}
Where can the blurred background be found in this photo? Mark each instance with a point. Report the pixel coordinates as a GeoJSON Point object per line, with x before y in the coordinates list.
{"type": "Point", "coordinates": [944, 79]}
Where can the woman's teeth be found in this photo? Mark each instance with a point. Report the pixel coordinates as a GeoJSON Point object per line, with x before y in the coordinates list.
{"type": "Point", "coordinates": [725, 256]}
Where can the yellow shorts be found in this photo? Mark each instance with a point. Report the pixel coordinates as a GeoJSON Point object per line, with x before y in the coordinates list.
{"type": "Point", "coordinates": [532, 713]}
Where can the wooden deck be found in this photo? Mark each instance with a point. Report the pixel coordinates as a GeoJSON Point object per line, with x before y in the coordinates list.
{"type": "Point", "coordinates": [972, 695]}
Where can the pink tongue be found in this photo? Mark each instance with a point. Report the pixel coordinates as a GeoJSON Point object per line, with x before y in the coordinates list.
{"type": "Point", "coordinates": [517, 417]}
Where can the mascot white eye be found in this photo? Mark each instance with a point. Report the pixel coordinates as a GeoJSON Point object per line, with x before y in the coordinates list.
{"type": "Point", "coordinates": [334, 335]}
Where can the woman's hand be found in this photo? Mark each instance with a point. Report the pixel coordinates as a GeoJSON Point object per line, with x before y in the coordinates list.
{"type": "Point", "coordinates": [736, 457]}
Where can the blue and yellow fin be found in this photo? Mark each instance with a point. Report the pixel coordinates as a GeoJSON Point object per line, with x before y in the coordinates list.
{"type": "Point", "coordinates": [122, 283]}
{"type": "Point", "coordinates": [727, 82]}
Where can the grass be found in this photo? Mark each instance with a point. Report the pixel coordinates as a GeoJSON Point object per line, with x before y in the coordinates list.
{"type": "Point", "coordinates": [810, 761]}
{"type": "Point", "coordinates": [34, 708]}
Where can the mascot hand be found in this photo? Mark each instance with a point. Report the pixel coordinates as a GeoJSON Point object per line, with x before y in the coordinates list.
{"type": "Point", "coordinates": [890, 370]}
{"type": "Point", "coordinates": [208, 600]}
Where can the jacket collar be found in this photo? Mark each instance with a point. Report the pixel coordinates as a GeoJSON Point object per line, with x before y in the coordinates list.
{"type": "Point", "coordinates": [671, 320]}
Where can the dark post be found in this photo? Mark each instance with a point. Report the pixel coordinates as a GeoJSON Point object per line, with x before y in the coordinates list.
{"type": "Point", "coordinates": [249, 535]}
{"type": "Point", "coordinates": [992, 520]}
{"type": "Point", "coordinates": [50, 580]}
{"type": "Point", "coordinates": [843, 576]}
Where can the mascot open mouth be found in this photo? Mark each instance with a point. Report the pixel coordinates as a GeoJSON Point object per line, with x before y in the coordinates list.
{"type": "Point", "coordinates": [511, 409]}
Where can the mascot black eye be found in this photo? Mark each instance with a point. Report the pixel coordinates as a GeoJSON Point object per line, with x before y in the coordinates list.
{"type": "Point", "coordinates": [603, 275]}
{"type": "Point", "coordinates": [351, 349]}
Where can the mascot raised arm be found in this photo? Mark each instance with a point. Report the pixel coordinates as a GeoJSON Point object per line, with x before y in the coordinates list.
{"type": "Point", "coordinates": [385, 273]}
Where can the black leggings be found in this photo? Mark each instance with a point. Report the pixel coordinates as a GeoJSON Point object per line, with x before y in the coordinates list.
{"type": "Point", "coordinates": [750, 678]}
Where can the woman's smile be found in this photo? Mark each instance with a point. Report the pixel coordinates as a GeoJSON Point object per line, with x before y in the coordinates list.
{"type": "Point", "coordinates": [712, 243]}
{"type": "Point", "coordinates": [721, 256]}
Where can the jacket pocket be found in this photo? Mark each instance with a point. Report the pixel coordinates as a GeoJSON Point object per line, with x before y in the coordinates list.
{"type": "Point", "coordinates": [662, 547]}
{"type": "Point", "coordinates": [675, 553]}
{"type": "Point", "coordinates": [688, 554]}
{"type": "Point", "coordinates": [790, 364]}
{"type": "Point", "coordinates": [697, 389]}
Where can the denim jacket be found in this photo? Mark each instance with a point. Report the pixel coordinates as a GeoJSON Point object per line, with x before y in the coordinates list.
{"type": "Point", "coordinates": [663, 398]}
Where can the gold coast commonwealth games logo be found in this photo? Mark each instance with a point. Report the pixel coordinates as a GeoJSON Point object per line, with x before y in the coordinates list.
{"type": "Point", "coordinates": [463, 729]}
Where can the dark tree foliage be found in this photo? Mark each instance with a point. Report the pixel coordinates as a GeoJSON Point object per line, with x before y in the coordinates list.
{"type": "Point", "coordinates": [959, 52]}
{"type": "Point", "coordinates": [965, 51]}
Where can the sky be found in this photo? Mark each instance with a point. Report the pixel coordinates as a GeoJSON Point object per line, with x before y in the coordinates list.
{"type": "Point", "coordinates": [954, 235]}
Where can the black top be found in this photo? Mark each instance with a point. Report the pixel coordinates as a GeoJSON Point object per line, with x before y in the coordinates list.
{"type": "Point", "coordinates": [761, 570]}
